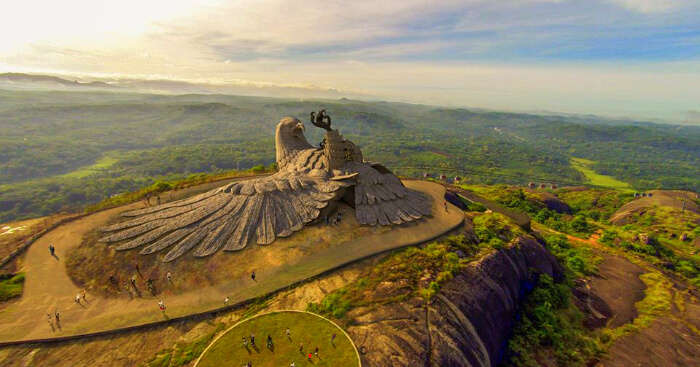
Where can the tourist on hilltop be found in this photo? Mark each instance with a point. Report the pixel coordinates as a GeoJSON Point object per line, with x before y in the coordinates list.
{"type": "Point", "coordinates": [150, 286]}
{"type": "Point", "coordinates": [127, 288]}
{"type": "Point", "coordinates": [292, 364]}
{"type": "Point", "coordinates": [114, 281]}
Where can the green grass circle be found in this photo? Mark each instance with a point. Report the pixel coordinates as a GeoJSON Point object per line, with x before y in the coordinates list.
{"type": "Point", "coordinates": [307, 328]}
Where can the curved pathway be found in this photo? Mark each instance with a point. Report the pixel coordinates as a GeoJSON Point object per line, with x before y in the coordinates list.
{"type": "Point", "coordinates": [48, 287]}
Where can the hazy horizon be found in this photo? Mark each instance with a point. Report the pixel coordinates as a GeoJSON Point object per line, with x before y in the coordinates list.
{"type": "Point", "coordinates": [614, 58]}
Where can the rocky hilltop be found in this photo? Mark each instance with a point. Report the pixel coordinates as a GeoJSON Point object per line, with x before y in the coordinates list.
{"type": "Point", "coordinates": [466, 324]}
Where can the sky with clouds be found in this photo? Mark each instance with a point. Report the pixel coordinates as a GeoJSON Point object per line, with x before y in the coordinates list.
{"type": "Point", "coordinates": [636, 58]}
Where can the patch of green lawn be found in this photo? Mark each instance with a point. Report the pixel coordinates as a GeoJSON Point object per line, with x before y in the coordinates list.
{"type": "Point", "coordinates": [102, 164]}
{"type": "Point", "coordinates": [11, 286]}
{"type": "Point", "coordinates": [310, 330]}
{"type": "Point", "coordinates": [584, 166]}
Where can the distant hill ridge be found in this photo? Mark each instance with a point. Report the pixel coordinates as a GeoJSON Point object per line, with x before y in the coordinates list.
{"type": "Point", "coordinates": [166, 86]}
{"type": "Point", "coordinates": [36, 78]}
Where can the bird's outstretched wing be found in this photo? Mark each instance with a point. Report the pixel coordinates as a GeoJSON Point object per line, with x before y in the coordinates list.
{"type": "Point", "coordinates": [381, 198]}
{"type": "Point", "coordinates": [229, 217]}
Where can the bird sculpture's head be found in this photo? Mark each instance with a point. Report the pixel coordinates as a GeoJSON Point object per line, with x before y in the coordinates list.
{"type": "Point", "coordinates": [289, 139]}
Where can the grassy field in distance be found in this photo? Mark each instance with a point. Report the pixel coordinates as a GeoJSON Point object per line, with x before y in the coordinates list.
{"type": "Point", "coordinates": [584, 166]}
{"type": "Point", "coordinates": [101, 165]}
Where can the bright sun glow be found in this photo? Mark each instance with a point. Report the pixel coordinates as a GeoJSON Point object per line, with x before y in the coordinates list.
{"type": "Point", "coordinates": [75, 23]}
{"type": "Point", "coordinates": [617, 57]}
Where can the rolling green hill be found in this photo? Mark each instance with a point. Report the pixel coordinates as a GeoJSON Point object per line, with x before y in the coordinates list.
{"type": "Point", "coordinates": [63, 150]}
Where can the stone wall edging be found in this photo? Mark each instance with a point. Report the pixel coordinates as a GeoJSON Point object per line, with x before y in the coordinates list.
{"type": "Point", "coordinates": [24, 246]}
{"type": "Point", "coordinates": [213, 312]}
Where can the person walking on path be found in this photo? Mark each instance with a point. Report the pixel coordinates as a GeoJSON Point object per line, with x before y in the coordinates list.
{"type": "Point", "coordinates": [151, 287]}
{"type": "Point", "coordinates": [445, 203]}
{"type": "Point", "coordinates": [269, 341]}
{"type": "Point", "coordinates": [128, 290]}
{"type": "Point", "coordinates": [58, 317]}
{"type": "Point", "coordinates": [245, 342]}
{"type": "Point", "coordinates": [114, 282]}
{"type": "Point", "coordinates": [52, 250]}
{"type": "Point", "coordinates": [226, 301]}
{"type": "Point", "coordinates": [84, 296]}
{"type": "Point", "coordinates": [170, 277]}
{"type": "Point", "coordinates": [288, 332]}
{"type": "Point", "coordinates": [252, 275]}
{"type": "Point", "coordinates": [301, 348]}
{"type": "Point", "coordinates": [252, 339]}
{"type": "Point", "coordinates": [316, 352]}
{"type": "Point", "coordinates": [310, 357]}
{"type": "Point", "coordinates": [161, 305]}
{"type": "Point", "coordinates": [333, 338]}
{"type": "Point", "coordinates": [77, 298]}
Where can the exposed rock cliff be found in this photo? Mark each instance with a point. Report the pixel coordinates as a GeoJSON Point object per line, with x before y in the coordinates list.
{"type": "Point", "coordinates": [466, 323]}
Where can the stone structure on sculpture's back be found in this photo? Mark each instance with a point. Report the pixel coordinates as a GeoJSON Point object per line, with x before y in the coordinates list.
{"type": "Point", "coordinates": [309, 183]}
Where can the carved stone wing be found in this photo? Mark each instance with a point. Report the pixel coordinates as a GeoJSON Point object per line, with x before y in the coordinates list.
{"type": "Point", "coordinates": [381, 198]}
{"type": "Point", "coordinates": [227, 217]}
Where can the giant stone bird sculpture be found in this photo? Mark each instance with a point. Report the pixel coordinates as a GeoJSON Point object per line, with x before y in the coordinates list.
{"type": "Point", "coordinates": [309, 183]}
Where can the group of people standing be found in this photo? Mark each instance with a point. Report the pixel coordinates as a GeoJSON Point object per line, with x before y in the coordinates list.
{"type": "Point", "coordinates": [334, 220]}
{"type": "Point", "coordinates": [310, 355]}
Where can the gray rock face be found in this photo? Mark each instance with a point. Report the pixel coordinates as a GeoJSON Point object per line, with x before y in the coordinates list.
{"type": "Point", "coordinates": [308, 182]}
{"type": "Point", "coordinates": [467, 324]}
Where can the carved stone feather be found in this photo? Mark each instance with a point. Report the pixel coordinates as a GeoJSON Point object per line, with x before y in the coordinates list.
{"type": "Point", "coordinates": [263, 209]}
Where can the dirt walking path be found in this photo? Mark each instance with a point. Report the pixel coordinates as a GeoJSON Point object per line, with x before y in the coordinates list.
{"type": "Point", "coordinates": [49, 289]}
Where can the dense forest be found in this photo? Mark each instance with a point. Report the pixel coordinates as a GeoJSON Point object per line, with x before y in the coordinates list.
{"type": "Point", "coordinates": [64, 150]}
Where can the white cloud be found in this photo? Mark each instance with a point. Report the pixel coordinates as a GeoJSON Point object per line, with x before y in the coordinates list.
{"type": "Point", "coordinates": [650, 6]}
{"type": "Point", "coordinates": [417, 50]}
